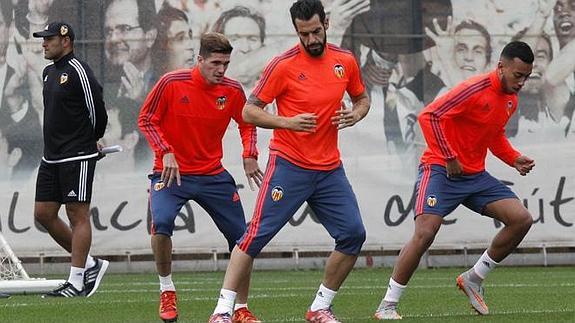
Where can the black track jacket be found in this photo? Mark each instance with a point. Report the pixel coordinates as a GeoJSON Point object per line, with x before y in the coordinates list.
{"type": "Point", "coordinates": [74, 112]}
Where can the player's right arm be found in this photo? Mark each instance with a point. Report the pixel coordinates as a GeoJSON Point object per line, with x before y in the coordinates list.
{"type": "Point", "coordinates": [154, 108]}
{"type": "Point", "coordinates": [254, 113]}
{"type": "Point", "coordinates": [150, 117]}
{"type": "Point", "coordinates": [434, 117]}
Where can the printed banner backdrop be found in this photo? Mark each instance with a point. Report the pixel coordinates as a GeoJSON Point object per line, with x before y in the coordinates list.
{"type": "Point", "coordinates": [410, 52]}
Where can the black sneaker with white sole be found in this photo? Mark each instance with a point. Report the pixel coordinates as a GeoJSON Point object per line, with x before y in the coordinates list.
{"type": "Point", "coordinates": [66, 290]}
{"type": "Point", "coordinates": [93, 276]}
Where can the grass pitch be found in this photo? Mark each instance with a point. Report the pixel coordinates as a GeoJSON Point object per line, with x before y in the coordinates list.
{"type": "Point", "coordinates": [513, 294]}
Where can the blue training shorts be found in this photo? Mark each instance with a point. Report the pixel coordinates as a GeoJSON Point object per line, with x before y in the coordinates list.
{"type": "Point", "coordinates": [217, 194]}
{"type": "Point", "coordinates": [440, 195]}
{"type": "Point", "coordinates": [286, 187]}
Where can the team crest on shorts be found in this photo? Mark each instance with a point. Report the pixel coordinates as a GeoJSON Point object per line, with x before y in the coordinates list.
{"type": "Point", "coordinates": [277, 193]}
{"type": "Point", "coordinates": [221, 102]}
{"type": "Point", "coordinates": [158, 186]}
{"type": "Point", "coordinates": [63, 78]}
{"type": "Point", "coordinates": [339, 71]}
{"type": "Point", "coordinates": [431, 200]}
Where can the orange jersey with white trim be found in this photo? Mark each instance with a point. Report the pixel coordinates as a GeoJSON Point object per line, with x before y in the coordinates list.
{"type": "Point", "coordinates": [300, 84]}
{"type": "Point", "coordinates": [187, 116]}
{"type": "Point", "coordinates": [467, 121]}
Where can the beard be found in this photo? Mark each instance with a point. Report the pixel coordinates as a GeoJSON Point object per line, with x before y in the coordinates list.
{"type": "Point", "coordinates": [316, 49]}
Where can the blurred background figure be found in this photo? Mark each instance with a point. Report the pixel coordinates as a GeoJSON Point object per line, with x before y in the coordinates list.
{"type": "Point", "coordinates": [459, 52]}
{"type": "Point", "coordinates": [120, 130]}
{"type": "Point", "coordinates": [246, 30]}
{"type": "Point", "coordinates": [174, 47]}
{"type": "Point", "coordinates": [561, 70]}
{"type": "Point", "coordinates": [395, 68]}
{"type": "Point", "coordinates": [19, 121]}
{"type": "Point", "coordinates": [130, 31]}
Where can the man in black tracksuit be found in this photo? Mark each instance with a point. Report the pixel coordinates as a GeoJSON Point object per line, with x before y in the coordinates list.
{"type": "Point", "coordinates": [74, 120]}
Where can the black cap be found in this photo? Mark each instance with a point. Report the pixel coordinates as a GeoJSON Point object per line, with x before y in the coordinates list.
{"type": "Point", "coordinates": [56, 28]}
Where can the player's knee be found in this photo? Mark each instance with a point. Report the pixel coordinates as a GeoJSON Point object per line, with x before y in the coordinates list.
{"type": "Point", "coordinates": [352, 240]}
{"type": "Point", "coordinates": [41, 218]}
{"type": "Point", "coordinates": [163, 226]}
{"type": "Point", "coordinates": [524, 221]}
{"type": "Point", "coordinates": [424, 236]}
{"type": "Point", "coordinates": [44, 217]}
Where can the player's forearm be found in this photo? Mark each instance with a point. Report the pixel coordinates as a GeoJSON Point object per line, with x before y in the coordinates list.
{"type": "Point", "coordinates": [248, 134]}
{"type": "Point", "coordinates": [361, 105]}
{"type": "Point", "coordinates": [561, 66]}
{"type": "Point", "coordinates": [502, 149]}
{"type": "Point", "coordinates": [259, 117]}
{"type": "Point", "coordinates": [556, 98]}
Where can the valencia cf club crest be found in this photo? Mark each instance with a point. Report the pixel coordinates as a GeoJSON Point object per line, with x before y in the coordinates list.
{"type": "Point", "coordinates": [339, 71]}
{"type": "Point", "coordinates": [221, 102]}
{"type": "Point", "coordinates": [63, 78]}
{"type": "Point", "coordinates": [509, 107]}
{"type": "Point", "coordinates": [431, 200]}
{"type": "Point", "coordinates": [277, 193]}
{"type": "Point", "coordinates": [158, 186]}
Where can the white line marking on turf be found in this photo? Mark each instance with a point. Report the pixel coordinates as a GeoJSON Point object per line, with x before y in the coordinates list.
{"type": "Point", "coordinates": [296, 288]}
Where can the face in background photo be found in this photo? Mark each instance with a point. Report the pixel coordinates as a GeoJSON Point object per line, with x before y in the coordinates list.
{"type": "Point", "coordinates": [564, 21]}
{"type": "Point", "coordinates": [125, 38]}
{"type": "Point", "coordinates": [472, 52]}
{"type": "Point", "coordinates": [543, 53]}
{"type": "Point", "coordinates": [246, 31]}
{"type": "Point", "coordinates": [180, 45]}
{"type": "Point", "coordinates": [174, 45]}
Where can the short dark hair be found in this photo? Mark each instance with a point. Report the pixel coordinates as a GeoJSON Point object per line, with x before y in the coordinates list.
{"type": "Point", "coordinates": [306, 9]}
{"type": "Point", "coordinates": [213, 42]}
{"type": "Point", "coordinates": [240, 11]}
{"type": "Point", "coordinates": [146, 14]}
{"type": "Point", "coordinates": [470, 24]}
{"type": "Point", "coordinates": [518, 49]}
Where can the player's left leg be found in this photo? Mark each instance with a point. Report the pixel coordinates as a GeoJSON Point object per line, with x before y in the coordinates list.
{"type": "Point", "coordinates": [335, 205]}
{"type": "Point", "coordinates": [220, 198]}
{"type": "Point", "coordinates": [272, 211]}
{"type": "Point", "coordinates": [76, 180]}
{"type": "Point", "coordinates": [517, 220]}
{"type": "Point", "coordinates": [79, 216]}
{"type": "Point", "coordinates": [497, 201]}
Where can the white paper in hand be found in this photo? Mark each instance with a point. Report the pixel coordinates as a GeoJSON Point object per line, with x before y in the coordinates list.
{"type": "Point", "coordinates": [111, 149]}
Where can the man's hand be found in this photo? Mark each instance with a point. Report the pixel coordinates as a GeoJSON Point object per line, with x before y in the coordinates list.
{"type": "Point", "coordinates": [524, 165]}
{"type": "Point", "coordinates": [342, 12]}
{"type": "Point", "coordinates": [171, 170]}
{"type": "Point", "coordinates": [132, 82]}
{"type": "Point", "coordinates": [306, 122]}
{"type": "Point", "coordinates": [253, 172]}
{"type": "Point", "coordinates": [454, 168]}
{"type": "Point", "coordinates": [345, 117]}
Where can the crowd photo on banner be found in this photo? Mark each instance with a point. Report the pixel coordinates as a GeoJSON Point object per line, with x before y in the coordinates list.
{"type": "Point", "coordinates": [409, 53]}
